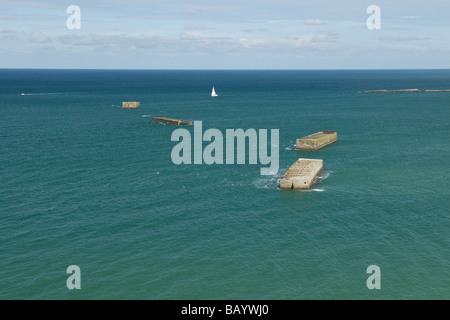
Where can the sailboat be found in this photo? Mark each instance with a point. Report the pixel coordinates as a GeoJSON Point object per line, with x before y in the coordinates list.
{"type": "Point", "coordinates": [213, 93]}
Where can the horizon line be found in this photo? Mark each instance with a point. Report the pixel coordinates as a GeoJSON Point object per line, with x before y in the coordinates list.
{"type": "Point", "coordinates": [230, 69]}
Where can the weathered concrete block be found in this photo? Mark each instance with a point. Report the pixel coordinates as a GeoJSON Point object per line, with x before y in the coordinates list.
{"type": "Point", "coordinates": [316, 141]}
{"type": "Point", "coordinates": [174, 122]}
{"type": "Point", "coordinates": [301, 174]}
{"type": "Point", "coordinates": [130, 105]}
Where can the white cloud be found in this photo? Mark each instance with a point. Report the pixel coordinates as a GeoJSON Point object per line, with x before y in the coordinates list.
{"type": "Point", "coordinates": [189, 12]}
{"type": "Point", "coordinates": [192, 35]}
{"type": "Point", "coordinates": [254, 43]}
{"type": "Point", "coordinates": [196, 35]}
{"type": "Point", "coordinates": [195, 27]}
{"type": "Point", "coordinates": [410, 17]}
{"type": "Point", "coordinates": [39, 37]}
{"type": "Point", "coordinates": [313, 22]}
{"type": "Point", "coordinates": [419, 37]}
{"type": "Point", "coordinates": [190, 42]}
{"type": "Point", "coordinates": [255, 30]}
{"type": "Point", "coordinates": [8, 18]}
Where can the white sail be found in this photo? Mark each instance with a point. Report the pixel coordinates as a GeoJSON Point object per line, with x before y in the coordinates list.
{"type": "Point", "coordinates": [213, 93]}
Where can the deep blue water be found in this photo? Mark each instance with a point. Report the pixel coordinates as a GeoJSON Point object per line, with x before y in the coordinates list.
{"type": "Point", "coordinates": [88, 183]}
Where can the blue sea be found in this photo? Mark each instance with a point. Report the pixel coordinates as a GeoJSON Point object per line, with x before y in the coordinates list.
{"type": "Point", "coordinates": [87, 183]}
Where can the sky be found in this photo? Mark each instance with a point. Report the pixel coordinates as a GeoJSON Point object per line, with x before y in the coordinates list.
{"type": "Point", "coordinates": [228, 34]}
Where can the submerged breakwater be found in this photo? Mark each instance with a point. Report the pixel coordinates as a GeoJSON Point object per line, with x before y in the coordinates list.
{"type": "Point", "coordinates": [405, 90]}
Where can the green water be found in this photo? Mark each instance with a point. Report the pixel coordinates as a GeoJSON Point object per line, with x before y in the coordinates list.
{"type": "Point", "coordinates": [88, 183]}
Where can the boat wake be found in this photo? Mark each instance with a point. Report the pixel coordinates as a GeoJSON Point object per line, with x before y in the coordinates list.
{"type": "Point", "coordinates": [41, 94]}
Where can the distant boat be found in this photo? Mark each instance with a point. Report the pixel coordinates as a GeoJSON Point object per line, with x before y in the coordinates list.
{"type": "Point", "coordinates": [213, 93]}
{"type": "Point", "coordinates": [22, 94]}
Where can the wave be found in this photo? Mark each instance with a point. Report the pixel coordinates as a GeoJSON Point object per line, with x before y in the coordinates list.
{"type": "Point", "coordinates": [267, 182]}
{"type": "Point", "coordinates": [146, 116]}
{"type": "Point", "coordinates": [273, 182]}
{"type": "Point", "coordinates": [314, 190]}
{"type": "Point", "coordinates": [291, 146]}
{"type": "Point", "coordinates": [41, 94]}
{"type": "Point", "coordinates": [325, 174]}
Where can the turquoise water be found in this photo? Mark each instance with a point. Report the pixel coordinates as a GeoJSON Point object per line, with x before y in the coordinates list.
{"type": "Point", "coordinates": [86, 182]}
